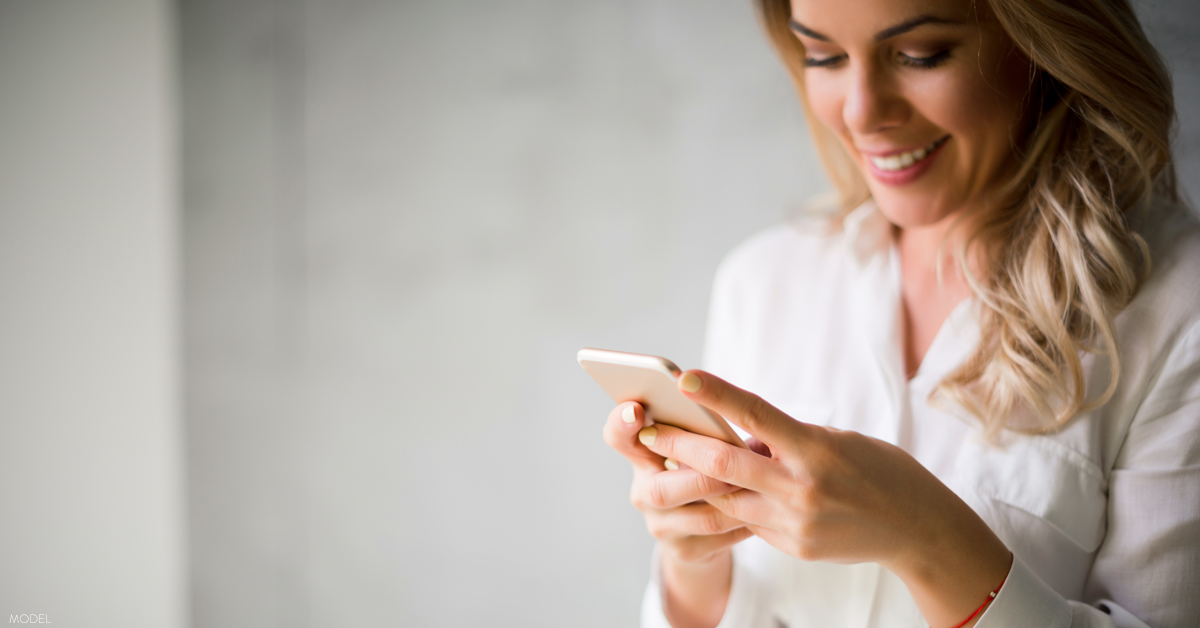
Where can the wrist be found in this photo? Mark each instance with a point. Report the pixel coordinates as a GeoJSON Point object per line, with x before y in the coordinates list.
{"type": "Point", "coordinates": [694, 593]}
{"type": "Point", "coordinates": [952, 567]}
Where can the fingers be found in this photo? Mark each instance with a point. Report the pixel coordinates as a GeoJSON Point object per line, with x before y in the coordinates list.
{"type": "Point", "coordinates": [696, 548]}
{"type": "Point", "coordinates": [711, 457]}
{"type": "Point", "coordinates": [620, 432]}
{"type": "Point", "coordinates": [747, 410]}
{"type": "Point", "coordinates": [668, 490]}
{"type": "Point", "coordinates": [758, 447]}
{"type": "Point", "coordinates": [748, 507]}
{"type": "Point", "coordinates": [801, 548]}
{"type": "Point", "coordinates": [691, 520]}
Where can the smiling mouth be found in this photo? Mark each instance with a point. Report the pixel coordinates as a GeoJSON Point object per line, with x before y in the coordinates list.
{"type": "Point", "coordinates": [900, 161]}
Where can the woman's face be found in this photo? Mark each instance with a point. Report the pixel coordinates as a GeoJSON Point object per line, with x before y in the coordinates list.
{"type": "Point", "coordinates": [924, 94]}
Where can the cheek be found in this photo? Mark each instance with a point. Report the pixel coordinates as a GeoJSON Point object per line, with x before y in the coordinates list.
{"type": "Point", "coordinates": [950, 101]}
{"type": "Point", "coordinates": [970, 108]}
{"type": "Point", "coordinates": [825, 98]}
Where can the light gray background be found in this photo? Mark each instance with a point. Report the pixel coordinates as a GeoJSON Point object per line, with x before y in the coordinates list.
{"type": "Point", "coordinates": [401, 221]}
{"type": "Point", "coordinates": [91, 466]}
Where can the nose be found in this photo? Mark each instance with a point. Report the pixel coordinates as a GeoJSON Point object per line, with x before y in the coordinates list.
{"type": "Point", "coordinates": [872, 103]}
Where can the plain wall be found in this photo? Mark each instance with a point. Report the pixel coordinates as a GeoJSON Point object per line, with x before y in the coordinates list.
{"type": "Point", "coordinates": [402, 219]}
{"type": "Point", "coordinates": [91, 487]}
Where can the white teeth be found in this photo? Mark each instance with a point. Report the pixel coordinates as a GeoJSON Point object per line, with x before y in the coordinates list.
{"type": "Point", "coordinates": [892, 163]}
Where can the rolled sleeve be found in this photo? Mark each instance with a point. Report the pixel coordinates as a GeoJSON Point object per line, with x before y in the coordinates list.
{"type": "Point", "coordinates": [1027, 601]}
{"type": "Point", "coordinates": [747, 606]}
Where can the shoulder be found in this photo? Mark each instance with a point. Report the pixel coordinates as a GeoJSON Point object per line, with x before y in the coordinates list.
{"type": "Point", "coordinates": [1169, 298]}
{"type": "Point", "coordinates": [785, 252]}
{"type": "Point", "coordinates": [782, 275]}
{"type": "Point", "coordinates": [766, 293]}
{"type": "Point", "coordinates": [1159, 338]}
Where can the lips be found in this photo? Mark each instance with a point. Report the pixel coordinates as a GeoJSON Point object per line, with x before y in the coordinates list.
{"type": "Point", "coordinates": [900, 161]}
{"type": "Point", "coordinates": [904, 167]}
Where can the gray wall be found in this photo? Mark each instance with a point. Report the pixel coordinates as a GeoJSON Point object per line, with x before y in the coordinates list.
{"type": "Point", "coordinates": [402, 219]}
{"type": "Point", "coordinates": [1174, 28]}
{"type": "Point", "coordinates": [91, 486]}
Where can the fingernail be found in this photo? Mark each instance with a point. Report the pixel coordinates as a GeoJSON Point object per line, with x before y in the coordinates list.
{"type": "Point", "coordinates": [671, 465]}
{"type": "Point", "coordinates": [627, 415]}
{"type": "Point", "coordinates": [648, 435]}
{"type": "Point", "coordinates": [690, 382]}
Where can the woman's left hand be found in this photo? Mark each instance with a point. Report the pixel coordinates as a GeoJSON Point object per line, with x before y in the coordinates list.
{"type": "Point", "coordinates": [837, 496]}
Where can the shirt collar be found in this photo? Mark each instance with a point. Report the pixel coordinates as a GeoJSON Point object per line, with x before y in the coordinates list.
{"type": "Point", "coordinates": [867, 232]}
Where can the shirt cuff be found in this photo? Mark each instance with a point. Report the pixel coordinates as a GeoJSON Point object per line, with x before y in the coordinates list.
{"type": "Point", "coordinates": [1025, 600]}
{"type": "Point", "coordinates": [747, 606]}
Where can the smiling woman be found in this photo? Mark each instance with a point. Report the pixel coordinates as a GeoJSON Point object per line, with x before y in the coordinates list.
{"type": "Point", "coordinates": [973, 399]}
{"type": "Point", "coordinates": [915, 88]}
{"type": "Point", "coordinates": [1018, 147]}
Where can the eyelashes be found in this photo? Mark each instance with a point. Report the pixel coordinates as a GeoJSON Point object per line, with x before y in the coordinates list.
{"type": "Point", "coordinates": [923, 63]}
{"type": "Point", "coordinates": [826, 62]}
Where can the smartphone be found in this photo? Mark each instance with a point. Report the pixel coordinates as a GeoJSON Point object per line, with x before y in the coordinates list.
{"type": "Point", "coordinates": [651, 381]}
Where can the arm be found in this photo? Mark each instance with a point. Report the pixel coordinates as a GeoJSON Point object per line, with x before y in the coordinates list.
{"type": "Point", "coordinates": [745, 603]}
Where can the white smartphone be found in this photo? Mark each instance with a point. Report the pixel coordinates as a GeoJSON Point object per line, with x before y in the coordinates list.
{"type": "Point", "coordinates": [651, 381]}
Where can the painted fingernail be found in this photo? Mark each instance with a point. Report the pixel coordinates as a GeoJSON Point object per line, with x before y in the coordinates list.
{"type": "Point", "coordinates": [671, 465]}
{"type": "Point", "coordinates": [690, 382]}
{"type": "Point", "coordinates": [627, 415]}
{"type": "Point", "coordinates": [648, 436]}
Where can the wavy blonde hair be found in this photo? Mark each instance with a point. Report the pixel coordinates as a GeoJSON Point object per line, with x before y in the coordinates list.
{"type": "Point", "coordinates": [1062, 258]}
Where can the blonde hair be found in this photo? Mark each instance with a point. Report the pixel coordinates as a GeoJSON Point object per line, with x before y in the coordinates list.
{"type": "Point", "coordinates": [1062, 259]}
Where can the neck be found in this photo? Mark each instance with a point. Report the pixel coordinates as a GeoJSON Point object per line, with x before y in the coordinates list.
{"type": "Point", "coordinates": [927, 298]}
{"type": "Point", "coordinates": [922, 248]}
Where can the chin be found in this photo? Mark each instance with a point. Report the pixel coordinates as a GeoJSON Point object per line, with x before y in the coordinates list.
{"type": "Point", "coordinates": [910, 211]}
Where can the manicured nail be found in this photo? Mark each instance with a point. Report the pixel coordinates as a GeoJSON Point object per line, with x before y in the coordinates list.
{"type": "Point", "coordinates": [690, 382]}
{"type": "Point", "coordinates": [648, 435]}
{"type": "Point", "coordinates": [671, 465]}
{"type": "Point", "coordinates": [627, 415]}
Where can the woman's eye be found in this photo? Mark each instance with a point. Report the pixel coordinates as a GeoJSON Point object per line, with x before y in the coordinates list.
{"type": "Point", "coordinates": [931, 61]}
{"type": "Point", "coordinates": [823, 62]}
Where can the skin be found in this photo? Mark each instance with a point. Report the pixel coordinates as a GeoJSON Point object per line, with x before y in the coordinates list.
{"type": "Point", "coordinates": [838, 496]}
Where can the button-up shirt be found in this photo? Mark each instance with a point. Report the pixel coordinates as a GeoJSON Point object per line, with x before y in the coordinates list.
{"type": "Point", "coordinates": [1102, 516]}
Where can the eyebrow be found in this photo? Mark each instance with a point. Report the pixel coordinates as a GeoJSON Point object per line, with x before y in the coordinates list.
{"type": "Point", "coordinates": [886, 33]}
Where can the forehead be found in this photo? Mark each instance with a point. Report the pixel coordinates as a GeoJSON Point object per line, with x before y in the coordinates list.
{"type": "Point", "coordinates": [852, 19]}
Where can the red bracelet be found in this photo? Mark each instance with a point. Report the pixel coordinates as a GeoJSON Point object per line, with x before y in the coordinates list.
{"type": "Point", "coordinates": [987, 600]}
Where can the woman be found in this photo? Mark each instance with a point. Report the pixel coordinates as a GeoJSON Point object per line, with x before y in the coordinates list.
{"type": "Point", "coordinates": [974, 398]}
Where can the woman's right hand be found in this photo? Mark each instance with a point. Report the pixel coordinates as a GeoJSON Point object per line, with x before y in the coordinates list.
{"type": "Point", "coordinates": [694, 536]}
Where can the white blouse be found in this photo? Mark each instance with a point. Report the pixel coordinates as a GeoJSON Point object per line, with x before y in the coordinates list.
{"type": "Point", "coordinates": [1103, 517]}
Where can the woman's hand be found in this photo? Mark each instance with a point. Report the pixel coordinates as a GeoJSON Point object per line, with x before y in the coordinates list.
{"type": "Point", "coordinates": [694, 536]}
{"type": "Point", "coordinates": [839, 496]}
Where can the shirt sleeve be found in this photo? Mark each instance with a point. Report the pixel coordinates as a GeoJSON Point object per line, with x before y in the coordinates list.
{"type": "Point", "coordinates": [748, 605]}
{"type": "Point", "coordinates": [1026, 601]}
{"type": "Point", "coordinates": [1147, 571]}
